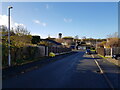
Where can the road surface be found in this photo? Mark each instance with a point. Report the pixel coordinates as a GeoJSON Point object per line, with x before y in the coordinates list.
{"type": "Point", "coordinates": [75, 71]}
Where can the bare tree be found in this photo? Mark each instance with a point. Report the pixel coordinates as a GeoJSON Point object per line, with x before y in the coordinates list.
{"type": "Point", "coordinates": [84, 37]}
{"type": "Point", "coordinates": [113, 40]}
{"type": "Point", "coordinates": [114, 35]}
{"type": "Point", "coordinates": [76, 37]}
{"type": "Point", "coordinates": [20, 30]}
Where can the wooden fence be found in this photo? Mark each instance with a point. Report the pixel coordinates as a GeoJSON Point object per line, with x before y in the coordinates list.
{"type": "Point", "coordinates": [115, 50]}
{"type": "Point", "coordinates": [58, 50]}
{"type": "Point", "coordinates": [101, 51]}
{"type": "Point", "coordinates": [19, 55]}
{"type": "Point", "coordinates": [108, 51]}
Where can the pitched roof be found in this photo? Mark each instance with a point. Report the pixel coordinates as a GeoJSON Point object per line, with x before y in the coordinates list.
{"type": "Point", "coordinates": [51, 41]}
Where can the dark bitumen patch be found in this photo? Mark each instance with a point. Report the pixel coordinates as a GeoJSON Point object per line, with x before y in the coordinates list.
{"type": "Point", "coordinates": [16, 70]}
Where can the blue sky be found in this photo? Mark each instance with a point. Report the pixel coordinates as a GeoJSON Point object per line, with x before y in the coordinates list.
{"type": "Point", "coordinates": [90, 19]}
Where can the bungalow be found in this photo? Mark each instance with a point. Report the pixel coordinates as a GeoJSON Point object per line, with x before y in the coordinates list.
{"type": "Point", "coordinates": [83, 46]}
{"type": "Point", "coordinates": [50, 43]}
{"type": "Point", "coordinates": [67, 41]}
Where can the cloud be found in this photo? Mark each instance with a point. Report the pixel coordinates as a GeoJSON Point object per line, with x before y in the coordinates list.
{"type": "Point", "coordinates": [37, 21]}
{"type": "Point", "coordinates": [44, 24]}
{"type": "Point", "coordinates": [4, 21]}
{"type": "Point", "coordinates": [40, 23]}
{"type": "Point", "coordinates": [67, 20]}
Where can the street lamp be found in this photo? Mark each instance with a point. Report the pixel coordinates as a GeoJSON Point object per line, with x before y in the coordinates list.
{"type": "Point", "coordinates": [9, 57]}
{"type": "Point", "coordinates": [96, 45]}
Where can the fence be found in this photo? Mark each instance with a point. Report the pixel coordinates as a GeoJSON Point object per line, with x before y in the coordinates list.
{"type": "Point", "coordinates": [58, 50]}
{"type": "Point", "coordinates": [108, 51]}
{"type": "Point", "coordinates": [116, 50]}
{"type": "Point", "coordinates": [23, 54]}
{"type": "Point", "coordinates": [101, 51]}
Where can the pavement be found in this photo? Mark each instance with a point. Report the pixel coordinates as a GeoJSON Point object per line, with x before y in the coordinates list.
{"type": "Point", "coordinates": [111, 70]}
{"type": "Point", "coordinates": [77, 70]}
{"type": "Point", "coordinates": [114, 61]}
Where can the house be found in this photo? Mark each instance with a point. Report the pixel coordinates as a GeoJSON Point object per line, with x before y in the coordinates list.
{"type": "Point", "coordinates": [83, 45]}
{"type": "Point", "coordinates": [48, 42]}
{"type": "Point", "coordinates": [67, 41]}
{"type": "Point", "coordinates": [51, 38]}
{"type": "Point", "coordinates": [93, 42]}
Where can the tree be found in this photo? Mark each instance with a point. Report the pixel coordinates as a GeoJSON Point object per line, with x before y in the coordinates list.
{"type": "Point", "coordinates": [21, 38]}
{"type": "Point", "coordinates": [20, 30]}
{"type": "Point", "coordinates": [114, 35]}
{"type": "Point", "coordinates": [35, 39]}
{"type": "Point", "coordinates": [102, 44]}
{"type": "Point", "coordinates": [45, 43]}
{"type": "Point", "coordinates": [84, 37]}
{"type": "Point", "coordinates": [20, 41]}
{"type": "Point", "coordinates": [76, 37]}
{"type": "Point", "coordinates": [68, 37]}
{"type": "Point", "coordinates": [113, 40]}
{"type": "Point", "coordinates": [3, 28]}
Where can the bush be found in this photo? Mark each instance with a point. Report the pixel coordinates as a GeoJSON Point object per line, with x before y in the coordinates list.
{"type": "Point", "coordinates": [51, 54]}
{"type": "Point", "coordinates": [35, 39]}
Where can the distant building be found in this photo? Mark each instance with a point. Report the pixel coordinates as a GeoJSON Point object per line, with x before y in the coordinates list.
{"type": "Point", "coordinates": [51, 38]}
{"type": "Point", "coordinates": [83, 45]}
{"type": "Point", "coordinates": [67, 41]}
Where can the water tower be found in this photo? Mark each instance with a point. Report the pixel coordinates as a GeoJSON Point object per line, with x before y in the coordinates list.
{"type": "Point", "coordinates": [60, 35]}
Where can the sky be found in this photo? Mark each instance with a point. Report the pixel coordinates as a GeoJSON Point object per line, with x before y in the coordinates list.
{"type": "Point", "coordinates": [90, 19]}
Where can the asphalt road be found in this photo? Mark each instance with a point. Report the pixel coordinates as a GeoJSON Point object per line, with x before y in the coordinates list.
{"type": "Point", "coordinates": [75, 71]}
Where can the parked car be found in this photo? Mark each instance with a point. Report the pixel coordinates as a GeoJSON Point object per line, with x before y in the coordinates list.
{"type": "Point", "coordinates": [88, 51]}
{"type": "Point", "coordinates": [116, 56]}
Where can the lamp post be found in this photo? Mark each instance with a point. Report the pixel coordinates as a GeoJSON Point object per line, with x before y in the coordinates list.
{"type": "Point", "coordinates": [9, 57]}
{"type": "Point", "coordinates": [96, 45]}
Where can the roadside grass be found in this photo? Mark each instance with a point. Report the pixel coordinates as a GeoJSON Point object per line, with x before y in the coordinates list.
{"type": "Point", "coordinates": [23, 62]}
{"type": "Point", "coordinates": [115, 62]}
{"type": "Point", "coordinates": [93, 50]}
{"type": "Point", "coordinates": [33, 60]}
{"type": "Point", "coordinates": [103, 56]}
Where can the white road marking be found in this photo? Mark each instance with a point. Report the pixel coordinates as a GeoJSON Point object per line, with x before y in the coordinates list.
{"type": "Point", "coordinates": [102, 72]}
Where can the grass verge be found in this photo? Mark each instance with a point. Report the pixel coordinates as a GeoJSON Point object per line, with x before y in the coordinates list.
{"type": "Point", "coordinates": [103, 56]}
{"type": "Point", "coordinates": [109, 59]}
